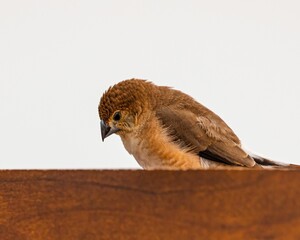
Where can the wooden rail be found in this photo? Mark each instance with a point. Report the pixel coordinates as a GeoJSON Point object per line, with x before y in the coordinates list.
{"type": "Point", "coordinates": [213, 204]}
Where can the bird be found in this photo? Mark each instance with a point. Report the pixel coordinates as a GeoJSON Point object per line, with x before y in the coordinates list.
{"type": "Point", "coordinates": [164, 128]}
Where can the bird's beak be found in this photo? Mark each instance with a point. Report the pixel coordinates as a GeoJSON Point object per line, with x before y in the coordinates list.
{"type": "Point", "coordinates": [106, 130]}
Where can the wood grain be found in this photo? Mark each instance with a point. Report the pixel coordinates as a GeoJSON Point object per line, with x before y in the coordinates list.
{"type": "Point", "coordinates": [91, 204]}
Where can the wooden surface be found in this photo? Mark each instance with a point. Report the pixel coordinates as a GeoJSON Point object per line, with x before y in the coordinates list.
{"type": "Point", "coordinates": [253, 204]}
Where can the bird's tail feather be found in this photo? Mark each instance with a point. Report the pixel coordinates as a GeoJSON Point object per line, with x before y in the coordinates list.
{"type": "Point", "coordinates": [267, 163]}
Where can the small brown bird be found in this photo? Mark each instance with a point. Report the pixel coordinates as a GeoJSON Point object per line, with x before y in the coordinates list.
{"type": "Point", "coordinates": [164, 128]}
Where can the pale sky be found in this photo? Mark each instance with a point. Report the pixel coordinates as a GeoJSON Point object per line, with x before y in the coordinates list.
{"type": "Point", "coordinates": [239, 58]}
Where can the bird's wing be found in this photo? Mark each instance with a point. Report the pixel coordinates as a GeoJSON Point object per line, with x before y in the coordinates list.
{"type": "Point", "coordinates": [211, 138]}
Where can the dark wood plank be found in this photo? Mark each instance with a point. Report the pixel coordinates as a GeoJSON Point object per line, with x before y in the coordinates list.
{"type": "Point", "coordinates": [214, 204]}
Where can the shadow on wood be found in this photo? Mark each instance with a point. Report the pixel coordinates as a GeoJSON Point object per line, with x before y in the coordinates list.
{"type": "Point", "coordinates": [205, 204]}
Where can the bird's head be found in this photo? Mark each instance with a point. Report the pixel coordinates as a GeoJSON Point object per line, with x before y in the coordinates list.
{"type": "Point", "coordinates": [122, 105]}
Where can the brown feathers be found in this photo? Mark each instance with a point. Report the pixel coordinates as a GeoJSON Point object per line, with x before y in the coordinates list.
{"type": "Point", "coordinates": [165, 128]}
{"type": "Point", "coordinates": [128, 95]}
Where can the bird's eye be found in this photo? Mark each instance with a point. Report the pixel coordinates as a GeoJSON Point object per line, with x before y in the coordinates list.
{"type": "Point", "coordinates": [117, 116]}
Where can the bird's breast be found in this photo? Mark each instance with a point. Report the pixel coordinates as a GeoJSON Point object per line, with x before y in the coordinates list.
{"type": "Point", "coordinates": [136, 147]}
{"type": "Point", "coordinates": [131, 143]}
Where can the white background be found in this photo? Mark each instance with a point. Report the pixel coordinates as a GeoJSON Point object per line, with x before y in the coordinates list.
{"type": "Point", "coordinates": [239, 58]}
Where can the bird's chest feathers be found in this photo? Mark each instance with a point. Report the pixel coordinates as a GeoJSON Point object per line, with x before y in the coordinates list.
{"type": "Point", "coordinates": [131, 143]}
{"type": "Point", "coordinates": [135, 146]}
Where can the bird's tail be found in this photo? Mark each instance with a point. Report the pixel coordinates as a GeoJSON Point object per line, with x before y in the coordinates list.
{"type": "Point", "coordinates": [267, 163]}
